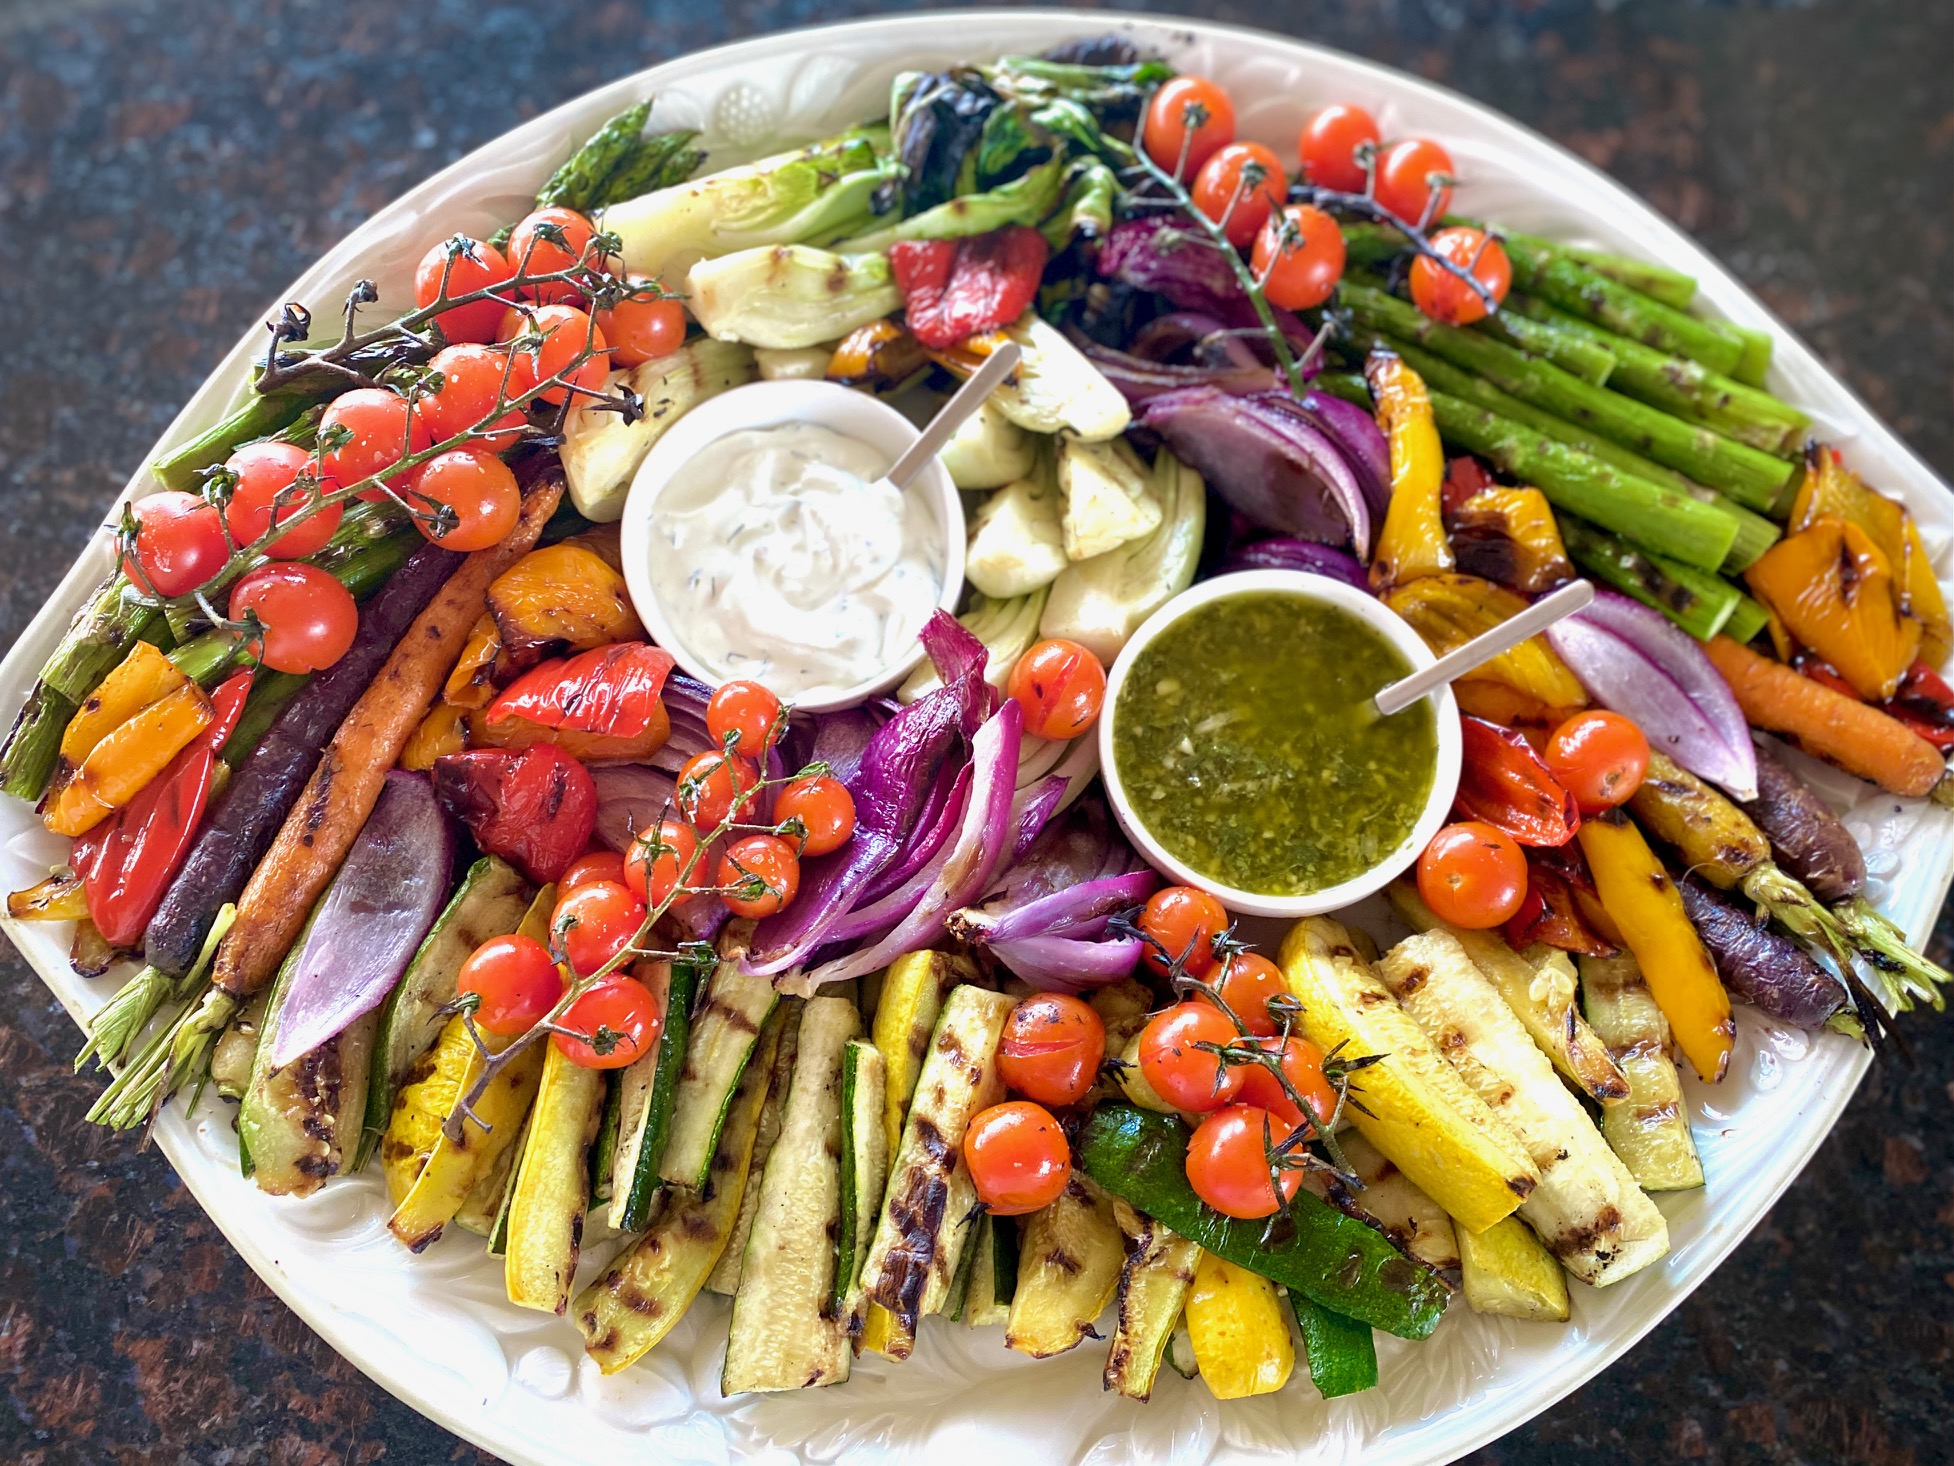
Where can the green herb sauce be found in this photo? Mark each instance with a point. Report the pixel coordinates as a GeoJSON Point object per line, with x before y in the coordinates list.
{"type": "Point", "coordinates": [1246, 744]}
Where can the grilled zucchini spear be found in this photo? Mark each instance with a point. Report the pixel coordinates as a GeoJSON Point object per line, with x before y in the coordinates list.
{"type": "Point", "coordinates": [1153, 1288]}
{"type": "Point", "coordinates": [1651, 1131]}
{"type": "Point", "coordinates": [1068, 1269]}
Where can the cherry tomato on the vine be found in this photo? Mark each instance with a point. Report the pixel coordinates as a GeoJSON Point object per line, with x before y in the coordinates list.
{"type": "Point", "coordinates": [548, 340]}
{"type": "Point", "coordinates": [658, 859]}
{"type": "Point", "coordinates": [515, 981]}
{"type": "Point", "coordinates": [308, 618]}
{"type": "Point", "coordinates": [759, 875]}
{"type": "Point", "coordinates": [642, 330]}
{"type": "Point", "coordinates": [710, 784]}
{"type": "Point", "coordinates": [264, 471]}
{"type": "Point", "coordinates": [1598, 757]}
{"type": "Point", "coordinates": [1246, 983]}
{"type": "Point", "coordinates": [179, 543]}
{"type": "Point", "coordinates": [1017, 1156]}
{"type": "Point", "coordinates": [591, 867]}
{"type": "Point", "coordinates": [825, 809]}
{"type": "Point", "coordinates": [1300, 256]}
{"type": "Point", "coordinates": [1228, 1162]}
{"type": "Point", "coordinates": [1187, 1077]}
{"type": "Point", "coordinates": [473, 379]}
{"type": "Point", "coordinates": [748, 710]}
{"type": "Point", "coordinates": [383, 430]}
{"type": "Point", "coordinates": [476, 266]}
{"type": "Point", "coordinates": [1189, 120]}
{"type": "Point", "coordinates": [1302, 1065]}
{"type": "Point", "coordinates": [594, 922]}
{"type": "Point", "coordinates": [1406, 176]}
{"type": "Point", "coordinates": [1442, 295]}
{"type": "Point", "coordinates": [1052, 1048]}
{"type": "Point", "coordinates": [1184, 921]}
{"type": "Point", "coordinates": [1061, 687]}
{"type": "Point", "coordinates": [480, 490]}
{"type": "Point", "coordinates": [1329, 144]}
{"type": "Point", "coordinates": [1243, 184]}
{"type": "Point", "coordinates": [532, 254]}
{"type": "Point", "coordinates": [619, 1021]}
{"type": "Point", "coordinates": [1472, 875]}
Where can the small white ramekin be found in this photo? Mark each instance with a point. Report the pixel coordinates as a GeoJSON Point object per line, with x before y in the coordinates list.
{"type": "Point", "coordinates": [774, 404]}
{"type": "Point", "coordinates": [1374, 614]}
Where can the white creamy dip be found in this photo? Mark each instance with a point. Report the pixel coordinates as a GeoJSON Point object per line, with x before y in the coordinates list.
{"type": "Point", "coordinates": [780, 555]}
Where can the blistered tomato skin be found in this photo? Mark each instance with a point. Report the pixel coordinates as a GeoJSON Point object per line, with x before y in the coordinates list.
{"type": "Point", "coordinates": [535, 807]}
{"type": "Point", "coordinates": [1052, 1048]}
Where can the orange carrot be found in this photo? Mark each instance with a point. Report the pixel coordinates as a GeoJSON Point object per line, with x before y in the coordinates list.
{"type": "Point", "coordinates": [340, 795]}
{"type": "Point", "coordinates": [1827, 724]}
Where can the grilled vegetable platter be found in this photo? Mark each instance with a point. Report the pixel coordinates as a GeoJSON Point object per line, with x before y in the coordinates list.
{"type": "Point", "coordinates": [392, 825]}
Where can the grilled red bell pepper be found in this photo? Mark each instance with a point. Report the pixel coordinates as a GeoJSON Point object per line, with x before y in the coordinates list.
{"type": "Point", "coordinates": [1550, 912]}
{"type": "Point", "coordinates": [953, 289]}
{"type": "Point", "coordinates": [600, 705]}
{"type": "Point", "coordinates": [1505, 783]}
{"type": "Point", "coordinates": [535, 807]}
{"type": "Point", "coordinates": [1923, 700]}
{"type": "Point", "coordinates": [1464, 477]}
{"type": "Point", "coordinates": [128, 860]}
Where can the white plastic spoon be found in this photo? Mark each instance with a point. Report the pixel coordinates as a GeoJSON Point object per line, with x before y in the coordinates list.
{"type": "Point", "coordinates": [1543, 613]}
{"type": "Point", "coordinates": [964, 401]}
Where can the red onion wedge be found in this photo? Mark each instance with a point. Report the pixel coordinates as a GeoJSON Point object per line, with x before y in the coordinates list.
{"type": "Point", "coordinates": [1291, 554]}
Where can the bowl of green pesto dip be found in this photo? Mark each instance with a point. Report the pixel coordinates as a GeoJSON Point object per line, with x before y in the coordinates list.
{"type": "Point", "coordinates": [1243, 755]}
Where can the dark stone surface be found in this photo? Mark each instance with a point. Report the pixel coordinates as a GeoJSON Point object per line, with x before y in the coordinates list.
{"type": "Point", "coordinates": [165, 168]}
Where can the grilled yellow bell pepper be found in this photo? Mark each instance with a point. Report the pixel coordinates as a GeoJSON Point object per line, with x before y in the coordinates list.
{"type": "Point", "coordinates": [1413, 541]}
{"type": "Point", "coordinates": [123, 736]}
{"type": "Point", "coordinates": [1833, 590]}
{"type": "Point", "coordinates": [1509, 536]}
{"type": "Point", "coordinates": [1239, 1330]}
{"type": "Point", "coordinates": [443, 731]}
{"type": "Point", "coordinates": [1448, 610]}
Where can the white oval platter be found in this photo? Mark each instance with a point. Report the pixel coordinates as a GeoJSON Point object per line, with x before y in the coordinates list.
{"type": "Point", "coordinates": [437, 1331]}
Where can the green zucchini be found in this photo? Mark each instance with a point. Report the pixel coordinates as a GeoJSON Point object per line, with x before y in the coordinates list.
{"type": "Point", "coordinates": [1068, 1270]}
{"type": "Point", "coordinates": [1180, 1352]}
{"type": "Point", "coordinates": [490, 902]}
{"type": "Point", "coordinates": [864, 1171]}
{"type": "Point", "coordinates": [1337, 1260]}
{"type": "Point", "coordinates": [237, 1049]}
{"type": "Point", "coordinates": [920, 1234]}
{"type": "Point", "coordinates": [649, 1286]}
{"type": "Point", "coordinates": [643, 1097]}
{"type": "Point", "coordinates": [786, 1333]}
{"type": "Point", "coordinates": [603, 1150]}
{"type": "Point", "coordinates": [552, 1186]}
{"type": "Point", "coordinates": [1152, 1286]}
{"type": "Point", "coordinates": [301, 1123]}
{"type": "Point", "coordinates": [1341, 1353]}
{"type": "Point", "coordinates": [725, 1278]}
{"type": "Point", "coordinates": [992, 1274]}
{"type": "Point", "coordinates": [498, 1233]}
{"type": "Point", "coordinates": [716, 1052]}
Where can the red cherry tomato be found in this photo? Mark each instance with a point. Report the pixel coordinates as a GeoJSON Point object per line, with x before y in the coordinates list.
{"type": "Point", "coordinates": [1228, 1162]}
{"type": "Point", "coordinates": [383, 431]}
{"type": "Point", "coordinates": [533, 254]}
{"type": "Point", "coordinates": [642, 330]}
{"type": "Point", "coordinates": [759, 875]}
{"type": "Point", "coordinates": [1300, 256]}
{"type": "Point", "coordinates": [1244, 184]}
{"type": "Point", "coordinates": [308, 619]}
{"type": "Point", "coordinates": [620, 1020]}
{"type": "Point", "coordinates": [549, 339]}
{"type": "Point", "coordinates": [1406, 175]}
{"type": "Point", "coordinates": [1189, 120]}
{"type": "Point", "coordinates": [1302, 1065]}
{"type": "Point", "coordinates": [658, 862]}
{"type": "Point", "coordinates": [1187, 1077]}
{"type": "Point", "coordinates": [1472, 875]}
{"type": "Point", "coordinates": [1061, 687]}
{"type": "Point", "coordinates": [264, 471]}
{"type": "Point", "coordinates": [1247, 983]}
{"type": "Point", "coordinates": [479, 489]}
{"type": "Point", "coordinates": [1600, 758]}
{"type": "Point", "coordinates": [594, 922]}
{"type": "Point", "coordinates": [1052, 1048]}
{"type": "Point", "coordinates": [1444, 296]}
{"type": "Point", "coordinates": [710, 784]}
{"type": "Point", "coordinates": [1329, 147]}
{"type": "Point", "coordinates": [473, 379]}
{"type": "Point", "coordinates": [590, 868]}
{"type": "Point", "coordinates": [1184, 921]}
{"type": "Point", "coordinates": [179, 543]}
{"type": "Point", "coordinates": [747, 713]}
{"type": "Point", "coordinates": [469, 265]}
{"type": "Point", "coordinates": [515, 981]}
{"type": "Point", "coordinates": [825, 809]}
{"type": "Point", "coordinates": [1018, 1158]}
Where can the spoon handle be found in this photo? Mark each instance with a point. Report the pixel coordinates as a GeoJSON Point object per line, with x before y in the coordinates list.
{"type": "Point", "coordinates": [1485, 646]}
{"type": "Point", "coordinates": [964, 401]}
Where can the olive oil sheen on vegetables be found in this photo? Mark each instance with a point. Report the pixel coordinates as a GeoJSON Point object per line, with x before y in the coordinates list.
{"type": "Point", "coordinates": [1247, 745]}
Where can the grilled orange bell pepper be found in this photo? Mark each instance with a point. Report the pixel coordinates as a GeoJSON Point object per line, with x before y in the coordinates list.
{"type": "Point", "coordinates": [1413, 541]}
{"type": "Point", "coordinates": [1643, 903]}
{"type": "Point", "coordinates": [561, 598]}
{"type": "Point", "coordinates": [115, 770]}
{"type": "Point", "coordinates": [1833, 589]}
{"type": "Point", "coordinates": [443, 731]}
{"type": "Point", "coordinates": [1449, 609]}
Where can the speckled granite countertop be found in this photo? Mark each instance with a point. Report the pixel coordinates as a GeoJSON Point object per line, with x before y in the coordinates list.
{"type": "Point", "coordinates": [165, 168]}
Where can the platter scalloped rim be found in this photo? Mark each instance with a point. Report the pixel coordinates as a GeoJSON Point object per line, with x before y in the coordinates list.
{"type": "Point", "coordinates": [437, 1331]}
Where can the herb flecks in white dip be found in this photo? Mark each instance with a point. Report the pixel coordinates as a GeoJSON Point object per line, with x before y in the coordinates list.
{"type": "Point", "coordinates": [780, 554]}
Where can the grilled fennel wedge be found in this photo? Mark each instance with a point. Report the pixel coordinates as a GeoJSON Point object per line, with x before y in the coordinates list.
{"type": "Point", "coordinates": [1587, 1208]}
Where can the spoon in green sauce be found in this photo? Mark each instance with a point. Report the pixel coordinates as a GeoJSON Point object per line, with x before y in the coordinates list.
{"type": "Point", "coordinates": [1399, 695]}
